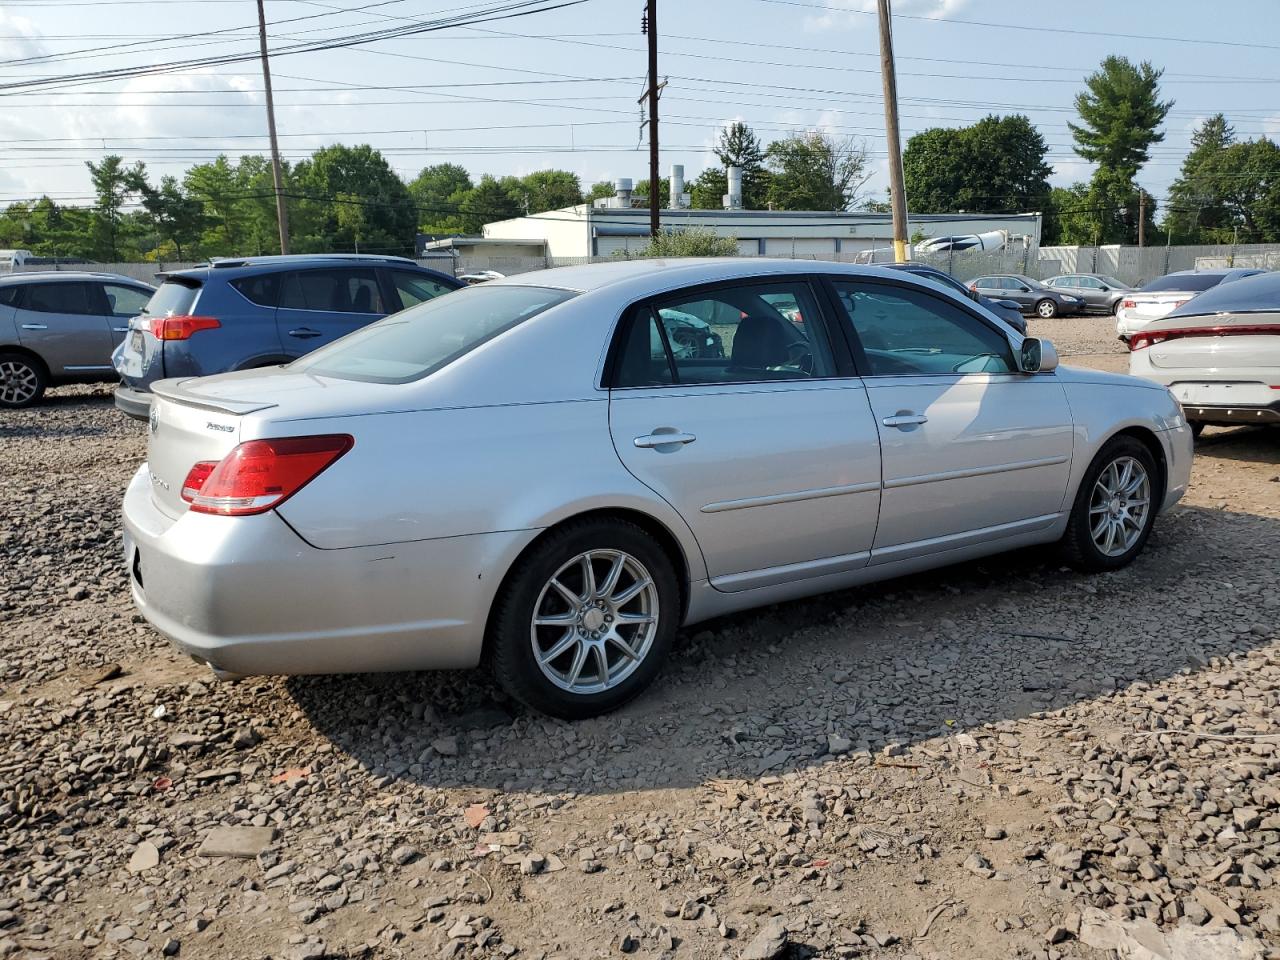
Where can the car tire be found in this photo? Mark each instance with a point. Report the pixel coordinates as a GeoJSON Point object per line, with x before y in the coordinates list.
{"type": "Point", "coordinates": [1197, 428]}
{"type": "Point", "coordinates": [1046, 309]}
{"type": "Point", "coordinates": [1106, 530]}
{"type": "Point", "coordinates": [547, 604]}
{"type": "Point", "coordinates": [1115, 307]}
{"type": "Point", "coordinates": [23, 380]}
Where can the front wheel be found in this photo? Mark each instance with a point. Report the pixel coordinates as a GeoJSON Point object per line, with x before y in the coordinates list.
{"type": "Point", "coordinates": [22, 380]}
{"type": "Point", "coordinates": [584, 622]}
{"type": "Point", "coordinates": [1114, 508]}
{"type": "Point", "coordinates": [1046, 309]}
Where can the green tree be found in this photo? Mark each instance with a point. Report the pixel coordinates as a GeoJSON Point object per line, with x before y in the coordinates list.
{"type": "Point", "coordinates": [113, 185]}
{"type": "Point", "coordinates": [813, 171]}
{"type": "Point", "coordinates": [600, 190]}
{"type": "Point", "coordinates": [738, 146]}
{"type": "Point", "coordinates": [335, 177]}
{"type": "Point", "coordinates": [1121, 113]}
{"type": "Point", "coordinates": [707, 190]}
{"type": "Point", "coordinates": [219, 189]}
{"type": "Point", "coordinates": [1194, 214]}
{"type": "Point", "coordinates": [545, 190]}
{"type": "Point", "coordinates": [438, 191]}
{"type": "Point", "coordinates": [486, 203]}
{"type": "Point", "coordinates": [1245, 179]}
{"type": "Point", "coordinates": [176, 217]}
{"type": "Point", "coordinates": [997, 165]}
{"type": "Point", "coordinates": [690, 242]}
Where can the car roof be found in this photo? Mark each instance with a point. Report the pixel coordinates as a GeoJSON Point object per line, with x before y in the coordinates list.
{"type": "Point", "coordinates": [44, 276]}
{"type": "Point", "coordinates": [233, 267]}
{"type": "Point", "coordinates": [1252, 294]}
{"type": "Point", "coordinates": [1216, 272]}
{"type": "Point", "coordinates": [683, 271]}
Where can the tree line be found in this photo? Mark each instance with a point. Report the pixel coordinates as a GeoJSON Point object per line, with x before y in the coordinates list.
{"type": "Point", "coordinates": [350, 198]}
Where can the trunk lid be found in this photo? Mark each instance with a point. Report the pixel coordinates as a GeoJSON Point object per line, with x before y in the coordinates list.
{"type": "Point", "coordinates": [1221, 342]}
{"type": "Point", "coordinates": [181, 434]}
{"type": "Point", "coordinates": [1155, 306]}
{"type": "Point", "coordinates": [140, 358]}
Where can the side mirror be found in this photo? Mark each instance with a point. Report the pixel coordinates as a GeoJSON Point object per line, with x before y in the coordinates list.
{"type": "Point", "coordinates": [1037, 356]}
{"type": "Point", "coordinates": [1024, 289]}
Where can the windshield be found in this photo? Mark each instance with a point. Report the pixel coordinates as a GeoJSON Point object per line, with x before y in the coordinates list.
{"type": "Point", "coordinates": [1184, 281]}
{"type": "Point", "coordinates": [173, 298]}
{"type": "Point", "coordinates": [421, 340]}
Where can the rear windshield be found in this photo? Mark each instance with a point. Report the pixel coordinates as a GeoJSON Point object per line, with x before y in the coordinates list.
{"type": "Point", "coordinates": [173, 298]}
{"type": "Point", "coordinates": [421, 340]}
{"type": "Point", "coordinates": [1184, 281]}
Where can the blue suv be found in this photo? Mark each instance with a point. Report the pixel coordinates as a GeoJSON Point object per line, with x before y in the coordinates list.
{"type": "Point", "coordinates": [237, 314]}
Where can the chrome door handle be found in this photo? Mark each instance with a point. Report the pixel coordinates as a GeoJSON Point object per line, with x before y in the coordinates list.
{"type": "Point", "coordinates": [304, 333]}
{"type": "Point", "coordinates": [905, 420]}
{"type": "Point", "coordinates": [663, 439]}
{"type": "Point", "coordinates": [35, 326]}
{"type": "Point", "coordinates": [120, 329]}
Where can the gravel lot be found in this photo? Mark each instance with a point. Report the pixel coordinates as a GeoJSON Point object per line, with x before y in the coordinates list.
{"type": "Point", "coordinates": [1002, 760]}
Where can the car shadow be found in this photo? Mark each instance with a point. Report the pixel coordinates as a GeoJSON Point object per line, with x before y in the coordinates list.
{"type": "Point", "coordinates": [898, 662]}
{"type": "Point", "coordinates": [1253, 444]}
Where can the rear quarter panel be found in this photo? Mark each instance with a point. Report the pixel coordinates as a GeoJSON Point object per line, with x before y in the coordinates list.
{"type": "Point", "coordinates": [248, 336]}
{"type": "Point", "coordinates": [448, 473]}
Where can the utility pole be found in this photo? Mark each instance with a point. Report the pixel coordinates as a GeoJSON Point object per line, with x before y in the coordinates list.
{"type": "Point", "coordinates": [282, 212]}
{"type": "Point", "coordinates": [897, 191]}
{"type": "Point", "coordinates": [1142, 218]}
{"type": "Point", "coordinates": [650, 25]}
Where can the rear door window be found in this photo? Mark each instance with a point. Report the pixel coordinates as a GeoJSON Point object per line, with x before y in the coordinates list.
{"type": "Point", "coordinates": [332, 291]}
{"type": "Point", "coordinates": [72, 298]}
{"type": "Point", "coordinates": [125, 301]}
{"type": "Point", "coordinates": [415, 288]}
{"type": "Point", "coordinates": [262, 290]}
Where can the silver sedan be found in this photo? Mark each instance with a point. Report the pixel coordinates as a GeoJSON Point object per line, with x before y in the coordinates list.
{"type": "Point", "coordinates": [537, 473]}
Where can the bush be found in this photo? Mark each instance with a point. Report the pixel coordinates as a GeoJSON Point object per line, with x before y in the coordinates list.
{"type": "Point", "coordinates": [690, 242]}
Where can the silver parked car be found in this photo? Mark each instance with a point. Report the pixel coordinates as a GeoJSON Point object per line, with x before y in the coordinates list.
{"type": "Point", "coordinates": [530, 472]}
{"type": "Point", "coordinates": [1163, 295]}
{"type": "Point", "coordinates": [1098, 292]}
{"type": "Point", "coordinates": [1030, 295]}
{"type": "Point", "coordinates": [60, 327]}
{"type": "Point", "coordinates": [1219, 354]}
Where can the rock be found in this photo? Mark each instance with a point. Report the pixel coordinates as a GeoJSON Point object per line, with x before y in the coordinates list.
{"type": "Point", "coordinates": [1216, 906]}
{"type": "Point", "coordinates": [403, 855]}
{"type": "Point", "coordinates": [978, 865]}
{"type": "Point", "coordinates": [146, 856]}
{"type": "Point", "coordinates": [246, 842]}
{"type": "Point", "coordinates": [532, 864]}
{"type": "Point", "coordinates": [245, 738]}
{"type": "Point", "coordinates": [837, 745]}
{"type": "Point", "coordinates": [994, 833]}
{"type": "Point", "coordinates": [1057, 934]}
{"type": "Point", "coordinates": [311, 949]}
{"type": "Point", "coordinates": [171, 947]}
{"type": "Point", "coordinates": [768, 943]}
{"type": "Point", "coordinates": [445, 746]}
{"type": "Point", "coordinates": [1140, 939]}
{"type": "Point", "coordinates": [119, 934]}
{"type": "Point", "coordinates": [1060, 855]}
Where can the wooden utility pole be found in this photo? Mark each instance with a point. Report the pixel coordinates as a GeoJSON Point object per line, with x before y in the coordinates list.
{"type": "Point", "coordinates": [897, 191]}
{"type": "Point", "coordinates": [655, 198]}
{"type": "Point", "coordinates": [282, 212]}
{"type": "Point", "coordinates": [1142, 218]}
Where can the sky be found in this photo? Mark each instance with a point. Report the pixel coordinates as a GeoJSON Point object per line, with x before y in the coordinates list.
{"type": "Point", "coordinates": [560, 88]}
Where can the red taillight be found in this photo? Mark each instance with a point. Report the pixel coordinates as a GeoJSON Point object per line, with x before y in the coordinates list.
{"type": "Point", "coordinates": [180, 327]}
{"type": "Point", "coordinates": [1148, 338]}
{"type": "Point", "coordinates": [1129, 304]}
{"type": "Point", "coordinates": [261, 474]}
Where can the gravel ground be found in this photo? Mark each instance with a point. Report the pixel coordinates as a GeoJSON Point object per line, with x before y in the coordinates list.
{"type": "Point", "coordinates": [1002, 760]}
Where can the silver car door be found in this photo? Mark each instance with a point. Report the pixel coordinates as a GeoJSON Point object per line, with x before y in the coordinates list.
{"type": "Point", "coordinates": [971, 449]}
{"type": "Point", "coordinates": [728, 404]}
{"type": "Point", "coordinates": [61, 321]}
{"type": "Point", "coordinates": [123, 303]}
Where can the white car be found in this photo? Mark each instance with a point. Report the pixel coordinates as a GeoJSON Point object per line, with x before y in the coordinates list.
{"type": "Point", "coordinates": [1165, 294]}
{"type": "Point", "coordinates": [1219, 355]}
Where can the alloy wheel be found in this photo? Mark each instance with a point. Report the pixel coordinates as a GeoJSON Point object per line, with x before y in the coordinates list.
{"type": "Point", "coordinates": [1119, 506]}
{"type": "Point", "coordinates": [19, 382]}
{"type": "Point", "coordinates": [1046, 309]}
{"type": "Point", "coordinates": [594, 621]}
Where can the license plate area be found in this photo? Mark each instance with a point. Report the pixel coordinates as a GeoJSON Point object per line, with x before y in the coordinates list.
{"type": "Point", "coordinates": [135, 341]}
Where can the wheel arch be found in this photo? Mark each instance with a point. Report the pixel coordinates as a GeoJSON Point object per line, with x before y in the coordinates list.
{"type": "Point", "coordinates": [1148, 439]}
{"type": "Point", "coordinates": [30, 355]}
{"type": "Point", "coordinates": [650, 524]}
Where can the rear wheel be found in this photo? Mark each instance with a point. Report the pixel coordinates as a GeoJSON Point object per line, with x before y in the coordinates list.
{"type": "Point", "coordinates": [584, 623]}
{"type": "Point", "coordinates": [1114, 508]}
{"type": "Point", "coordinates": [1046, 309]}
{"type": "Point", "coordinates": [22, 380]}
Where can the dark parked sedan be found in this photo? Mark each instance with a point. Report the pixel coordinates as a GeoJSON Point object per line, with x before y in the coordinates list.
{"type": "Point", "coordinates": [1031, 295]}
{"type": "Point", "coordinates": [1007, 310]}
{"type": "Point", "coordinates": [1099, 292]}
{"type": "Point", "coordinates": [260, 312]}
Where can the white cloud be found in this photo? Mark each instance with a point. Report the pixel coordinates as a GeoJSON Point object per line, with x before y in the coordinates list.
{"type": "Point", "coordinates": [849, 14]}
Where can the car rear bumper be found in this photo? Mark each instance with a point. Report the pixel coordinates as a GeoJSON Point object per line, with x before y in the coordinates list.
{"type": "Point", "coordinates": [247, 595]}
{"type": "Point", "coordinates": [1211, 413]}
{"type": "Point", "coordinates": [136, 403]}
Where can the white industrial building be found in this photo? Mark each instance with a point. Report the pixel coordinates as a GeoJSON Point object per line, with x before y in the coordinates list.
{"type": "Point", "coordinates": [615, 225]}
